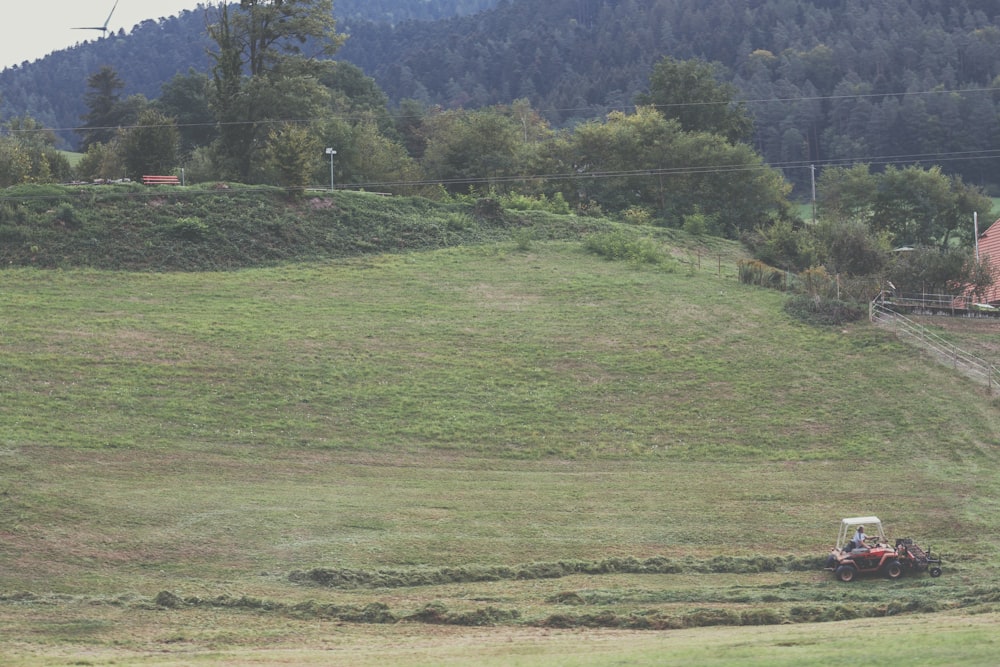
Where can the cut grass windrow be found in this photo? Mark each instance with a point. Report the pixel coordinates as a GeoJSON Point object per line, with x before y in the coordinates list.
{"type": "Point", "coordinates": [392, 578]}
{"type": "Point", "coordinates": [572, 610]}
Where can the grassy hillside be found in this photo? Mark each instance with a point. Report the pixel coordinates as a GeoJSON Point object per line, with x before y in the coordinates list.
{"type": "Point", "coordinates": [470, 453]}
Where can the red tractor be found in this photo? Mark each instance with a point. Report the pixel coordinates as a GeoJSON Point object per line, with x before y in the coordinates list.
{"type": "Point", "coordinates": [875, 554]}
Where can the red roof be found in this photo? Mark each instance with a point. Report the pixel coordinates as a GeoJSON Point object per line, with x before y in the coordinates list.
{"type": "Point", "coordinates": [989, 246]}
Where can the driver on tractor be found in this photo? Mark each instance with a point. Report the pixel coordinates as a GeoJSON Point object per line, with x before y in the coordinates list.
{"type": "Point", "coordinates": [858, 541]}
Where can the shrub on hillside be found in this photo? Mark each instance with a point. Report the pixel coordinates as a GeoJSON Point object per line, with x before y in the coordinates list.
{"type": "Point", "coordinates": [190, 229]}
{"type": "Point", "coordinates": [8, 212]}
{"type": "Point", "coordinates": [621, 245]}
{"type": "Point", "coordinates": [11, 235]}
{"type": "Point", "coordinates": [699, 224]}
{"type": "Point", "coordinates": [67, 215]}
{"type": "Point", "coordinates": [637, 215]}
{"type": "Point", "coordinates": [520, 202]}
{"type": "Point", "coordinates": [755, 272]}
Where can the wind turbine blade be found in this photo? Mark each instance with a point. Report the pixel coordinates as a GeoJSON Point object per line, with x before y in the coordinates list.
{"type": "Point", "coordinates": [110, 15]}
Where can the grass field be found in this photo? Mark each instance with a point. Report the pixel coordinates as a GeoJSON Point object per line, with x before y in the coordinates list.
{"type": "Point", "coordinates": [74, 158]}
{"type": "Point", "coordinates": [502, 454]}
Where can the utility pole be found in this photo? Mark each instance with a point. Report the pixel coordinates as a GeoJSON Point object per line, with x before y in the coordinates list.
{"type": "Point", "coordinates": [812, 169]}
{"type": "Point", "coordinates": [975, 228]}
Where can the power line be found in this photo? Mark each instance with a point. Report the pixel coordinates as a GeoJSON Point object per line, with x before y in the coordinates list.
{"type": "Point", "coordinates": [870, 95]}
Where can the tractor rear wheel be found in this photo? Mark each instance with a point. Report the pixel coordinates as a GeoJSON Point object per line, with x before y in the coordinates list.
{"type": "Point", "coordinates": [893, 569]}
{"type": "Point", "coordinates": [846, 573]}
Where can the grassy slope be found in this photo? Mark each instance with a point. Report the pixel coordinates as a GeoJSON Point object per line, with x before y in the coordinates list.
{"type": "Point", "coordinates": [131, 227]}
{"type": "Point", "coordinates": [208, 434]}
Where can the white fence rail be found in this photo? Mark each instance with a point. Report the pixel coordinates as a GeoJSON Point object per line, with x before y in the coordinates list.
{"type": "Point", "coordinates": [968, 364]}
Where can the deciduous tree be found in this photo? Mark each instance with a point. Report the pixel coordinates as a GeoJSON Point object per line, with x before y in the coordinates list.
{"type": "Point", "coordinates": [266, 72]}
{"type": "Point", "coordinates": [102, 161]}
{"type": "Point", "coordinates": [150, 147]}
{"type": "Point", "coordinates": [185, 97]}
{"type": "Point", "coordinates": [914, 205]}
{"type": "Point", "coordinates": [478, 149]}
{"type": "Point", "coordinates": [15, 164]}
{"type": "Point", "coordinates": [692, 92]}
{"type": "Point", "coordinates": [373, 158]}
{"type": "Point", "coordinates": [931, 270]}
{"type": "Point", "coordinates": [29, 153]}
{"type": "Point", "coordinates": [847, 193]}
{"type": "Point", "coordinates": [645, 159]}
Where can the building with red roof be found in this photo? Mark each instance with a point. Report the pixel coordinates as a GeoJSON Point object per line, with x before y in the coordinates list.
{"type": "Point", "coordinates": [989, 247]}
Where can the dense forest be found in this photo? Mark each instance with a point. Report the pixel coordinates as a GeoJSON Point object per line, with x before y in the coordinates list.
{"type": "Point", "coordinates": [398, 11]}
{"type": "Point", "coordinates": [826, 81]}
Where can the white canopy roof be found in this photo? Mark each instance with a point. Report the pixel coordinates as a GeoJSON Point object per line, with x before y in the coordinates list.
{"type": "Point", "coordinates": [854, 521]}
{"type": "Point", "coordinates": [872, 522]}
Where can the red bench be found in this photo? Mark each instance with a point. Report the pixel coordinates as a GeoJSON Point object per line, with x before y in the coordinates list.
{"type": "Point", "coordinates": [160, 180]}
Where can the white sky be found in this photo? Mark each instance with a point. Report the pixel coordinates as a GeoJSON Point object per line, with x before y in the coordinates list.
{"type": "Point", "coordinates": [31, 29]}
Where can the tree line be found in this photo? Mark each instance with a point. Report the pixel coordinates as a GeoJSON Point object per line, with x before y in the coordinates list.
{"type": "Point", "coordinates": [272, 121]}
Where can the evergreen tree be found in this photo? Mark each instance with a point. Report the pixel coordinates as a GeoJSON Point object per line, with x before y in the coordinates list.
{"type": "Point", "coordinates": [104, 113]}
{"type": "Point", "coordinates": [293, 151]}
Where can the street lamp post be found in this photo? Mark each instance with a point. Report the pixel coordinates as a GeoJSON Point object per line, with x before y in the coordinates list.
{"type": "Point", "coordinates": [331, 153]}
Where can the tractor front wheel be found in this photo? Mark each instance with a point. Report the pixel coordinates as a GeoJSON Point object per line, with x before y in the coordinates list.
{"type": "Point", "coordinates": [935, 572]}
{"type": "Point", "coordinates": [846, 573]}
{"type": "Point", "coordinates": [893, 569]}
